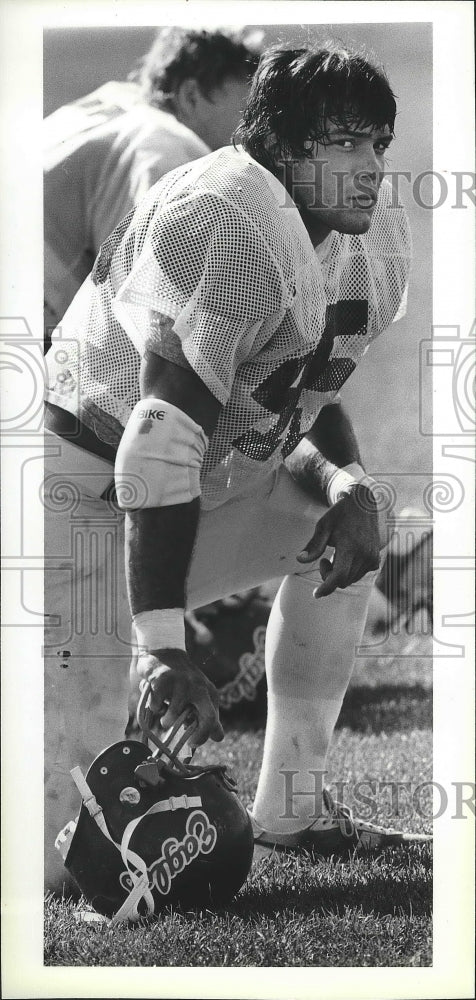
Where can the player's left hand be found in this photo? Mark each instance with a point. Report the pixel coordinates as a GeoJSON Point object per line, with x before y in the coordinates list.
{"type": "Point", "coordinates": [351, 527]}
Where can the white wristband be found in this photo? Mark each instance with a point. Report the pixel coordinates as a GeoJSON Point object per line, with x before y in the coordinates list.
{"type": "Point", "coordinates": [344, 479]}
{"type": "Point", "coordinates": [160, 629]}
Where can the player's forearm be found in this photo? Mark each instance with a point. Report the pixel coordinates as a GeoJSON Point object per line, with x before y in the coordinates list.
{"type": "Point", "coordinates": [159, 543]}
{"type": "Point", "coordinates": [329, 445]}
{"type": "Point", "coordinates": [310, 469]}
{"type": "Point", "coordinates": [334, 437]}
{"type": "Point", "coordinates": [157, 475]}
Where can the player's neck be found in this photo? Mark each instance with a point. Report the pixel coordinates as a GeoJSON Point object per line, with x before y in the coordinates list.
{"type": "Point", "coordinates": [318, 231]}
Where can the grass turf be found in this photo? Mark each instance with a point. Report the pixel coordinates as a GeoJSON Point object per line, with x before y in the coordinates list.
{"type": "Point", "coordinates": [373, 911]}
{"type": "Point", "coordinates": [290, 913]}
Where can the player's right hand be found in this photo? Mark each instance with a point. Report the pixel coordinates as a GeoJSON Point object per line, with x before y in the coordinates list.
{"type": "Point", "coordinates": [176, 683]}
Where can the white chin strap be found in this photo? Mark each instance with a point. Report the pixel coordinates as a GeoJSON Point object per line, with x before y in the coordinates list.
{"type": "Point", "coordinates": [135, 865]}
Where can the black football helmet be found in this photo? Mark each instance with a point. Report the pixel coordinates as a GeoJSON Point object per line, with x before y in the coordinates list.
{"type": "Point", "coordinates": [154, 829]}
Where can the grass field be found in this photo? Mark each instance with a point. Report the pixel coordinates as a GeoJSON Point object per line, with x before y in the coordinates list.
{"type": "Point", "coordinates": [292, 912]}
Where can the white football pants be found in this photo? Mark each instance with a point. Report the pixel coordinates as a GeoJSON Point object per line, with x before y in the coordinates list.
{"type": "Point", "coordinates": [241, 544]}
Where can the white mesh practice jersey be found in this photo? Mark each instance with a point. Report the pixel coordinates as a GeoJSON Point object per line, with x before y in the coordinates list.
{"type": "Point", "coordinates": [215, 270]}
{"type": "Point", "coordinates": [102, 154]}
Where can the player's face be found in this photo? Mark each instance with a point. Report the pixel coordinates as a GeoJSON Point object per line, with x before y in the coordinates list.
{"type": "Point", "coordinates": [338, 188]}
{"type": "Point", "coordinates": [218, 116]}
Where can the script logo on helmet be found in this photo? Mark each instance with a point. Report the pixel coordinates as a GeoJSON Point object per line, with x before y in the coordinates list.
{"type": "Point", "coordinates": [200, 838]}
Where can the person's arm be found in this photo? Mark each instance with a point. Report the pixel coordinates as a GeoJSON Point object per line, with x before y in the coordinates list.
{"type": "Point", "coordinates": [351, 525]}
{"type": "Point", "coordinates": [329, 445]}
{"type": "Point", "coordinates": [159, 543]}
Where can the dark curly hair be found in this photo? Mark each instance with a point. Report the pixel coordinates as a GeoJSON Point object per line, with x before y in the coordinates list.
{"type": "Point", "coordinates": [178, 54]}
{"type": "Point", "coordinates": [296, 93]}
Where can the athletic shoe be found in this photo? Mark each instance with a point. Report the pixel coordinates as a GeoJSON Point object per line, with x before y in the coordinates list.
{"type": "Point", "coordinates": [337, 831]}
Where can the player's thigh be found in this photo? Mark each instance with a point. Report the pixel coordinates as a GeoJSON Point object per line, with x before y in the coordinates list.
{"type": "Point", "coordinates": [250, 540]}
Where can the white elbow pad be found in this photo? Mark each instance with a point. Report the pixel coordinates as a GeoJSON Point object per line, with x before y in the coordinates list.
{"type": "Point", "coordinates": [159, 457]}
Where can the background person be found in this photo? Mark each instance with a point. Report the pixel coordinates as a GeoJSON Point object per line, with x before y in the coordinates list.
{"type": "Point", "coordinates": [104, 151]}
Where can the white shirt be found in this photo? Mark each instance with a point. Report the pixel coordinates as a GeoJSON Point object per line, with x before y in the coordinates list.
{"type": "Point", "coordinates": [102, 154]}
